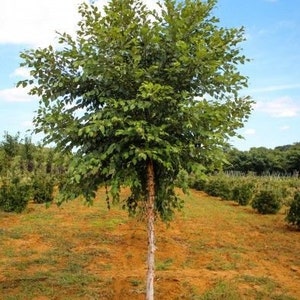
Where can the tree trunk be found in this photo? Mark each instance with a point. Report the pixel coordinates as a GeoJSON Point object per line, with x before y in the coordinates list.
{"type": "Point", "coordinates": [151, 234]}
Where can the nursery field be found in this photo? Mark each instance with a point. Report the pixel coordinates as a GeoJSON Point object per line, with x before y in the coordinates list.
{"type": "Point", "coordinates": [212, 250]}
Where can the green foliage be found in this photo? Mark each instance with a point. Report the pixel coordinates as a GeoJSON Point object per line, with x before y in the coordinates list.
{"type": "Point", "coordinates": [283, 160]}
{"type": "Point", "coordinates": [14, 195]}
{"type": "Point", "coordinates": [219, 186]}
{"type": "Point", "coordinates": [135, 87]}
{"type": "Point", "coordinates": [243, 192]}
{"type": "Point", "coordinates": [267, 202]}
{"type": "Point", "coordinates": [293, 215]}
{"type": "Point", "coordinates": [10, 144]}
{"type": "Point", "coordinates": [198, 183]}
{"type": "Point", "coordinates": [23, 158]}
{"type": "Point", "coordinates": [243, 189]}
{"type": "Point", "coordinates": [27, 154]}
{"type": "Point", "coordinates": [197, 178]}
{"type": "Point", "coordinates": [182, 180]}
{"type": "Point", "coordinates": [22, 161]}
{"type": "Point", "coordinates": [42, 188]}
{"type": "Point", "coordinates": [9, 153]}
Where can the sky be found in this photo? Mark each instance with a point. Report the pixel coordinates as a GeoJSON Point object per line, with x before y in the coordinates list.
{"type": "Point", "coordinates": [272, 32]}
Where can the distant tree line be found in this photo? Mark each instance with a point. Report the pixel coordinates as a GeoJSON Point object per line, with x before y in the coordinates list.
{"type": "Point", "coordinates": [282, 160]}
{"type": "Point", "coordinates": [19, 156]}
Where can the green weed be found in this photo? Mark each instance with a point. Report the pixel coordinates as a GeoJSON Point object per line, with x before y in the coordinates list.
{"type": "Point", "coordinates": [135, 282]}
{"type": "Point", "coordinates": [164, 265]}
{"type": "Point", "coordinates": [221, 291]}
{"type": "Point", "coordinates": [265, 288]}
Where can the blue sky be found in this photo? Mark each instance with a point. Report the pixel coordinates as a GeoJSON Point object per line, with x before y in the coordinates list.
{"type": "Point", "coordinates": [272, 29]}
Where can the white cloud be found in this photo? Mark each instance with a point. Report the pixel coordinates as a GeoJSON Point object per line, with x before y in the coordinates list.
{"type": "Point", "coordinates": [16, 95]}
{"type": "Point", "coordinates": [21, 72]}
{"type": "Point", "coordinates": [279, 108]}
{"type": "Point", "coordinates": [250, 131]}
{"type": "Point", "coordinates": [35, 22]}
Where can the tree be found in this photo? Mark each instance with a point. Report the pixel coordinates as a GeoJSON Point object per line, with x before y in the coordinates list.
{"type": "Point", "coordinates": [139, 96]}
{"type": "Point", "coordinates": [293, 159]}
{"type": "Point", "coordinates": [11, 144]}
{"type": "Point", "coordinates": [27, 153]}
{"type": "Point", "coordinates": [10, 152]}
{"type": "Point", "coordinates": [262, 161]}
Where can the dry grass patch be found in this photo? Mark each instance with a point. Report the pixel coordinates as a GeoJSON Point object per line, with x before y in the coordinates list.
{"type": "Point", "coordinates": [212, 250]}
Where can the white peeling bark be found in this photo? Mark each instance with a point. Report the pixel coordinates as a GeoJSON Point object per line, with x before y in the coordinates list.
{"type": "Point", "coordinates": [151, 233]}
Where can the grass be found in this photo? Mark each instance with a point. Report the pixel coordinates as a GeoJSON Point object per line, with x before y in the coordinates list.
{"type": "Point", "coordinates": [164, 265]}
{"type": "Point", "coordinates": [50, 284]}
{"type": "Point", "coordinates": [265, 287]}
{"type": "Point", "coordinates": [212, 250]}
{"type": "Point", "coordinates": [135, 282]}
{"type": "Point", "coordinates": [222, 290]}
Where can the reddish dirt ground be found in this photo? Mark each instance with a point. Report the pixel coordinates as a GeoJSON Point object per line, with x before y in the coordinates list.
{"type": "Point", "coordinates": [209, 242]}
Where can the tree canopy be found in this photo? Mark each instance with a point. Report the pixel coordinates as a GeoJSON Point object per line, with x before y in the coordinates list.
{"type": "Point", "coordinates": [135, 86]}
{"type": "Point", "coordinates": [140, 97]}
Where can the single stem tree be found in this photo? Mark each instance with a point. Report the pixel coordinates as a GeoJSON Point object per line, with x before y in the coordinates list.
{"type": "Point", "coordinates": [140, 97]}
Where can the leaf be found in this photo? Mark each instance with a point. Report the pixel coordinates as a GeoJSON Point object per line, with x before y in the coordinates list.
{"type": "Point", "coordinates": [142, 156]}
{"type": "Point", "coordinates": [77, 178]}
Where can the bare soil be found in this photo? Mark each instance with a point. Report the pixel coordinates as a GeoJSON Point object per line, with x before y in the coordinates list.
{"type": "Point", "coordinates": [213, 249]}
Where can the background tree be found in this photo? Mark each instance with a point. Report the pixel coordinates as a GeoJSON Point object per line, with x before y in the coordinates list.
{"type": "Point", "coordinates": [10, 157]}
{"type": "Point", "coordinates": [284, 160]}
{"type": "Point", "coordinates": [293, 159]}
{"type": "Point", "coordinates": [27, 154]}
{"type": "Point", "coordinates": [139, 96]}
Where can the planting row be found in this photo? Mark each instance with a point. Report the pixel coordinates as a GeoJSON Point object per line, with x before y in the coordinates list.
{"type": "Point", "coordinates": [15, 193]}
{"type": "Point", "coordinates": [267, 195]}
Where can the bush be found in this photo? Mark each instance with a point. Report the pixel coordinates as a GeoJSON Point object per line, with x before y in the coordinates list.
{"type": "Point", "coordinates": [42, 189]}
{"type": "Point", "coordinates": [242, 193]}
{"type": "Point", "coordinates": [267, 202]}
{"type": "Point", "coordinates": [198, 184]}
{"type": "Point", "coordinates": [293, 215]}
{"type": "Point", "coordinates": [14, 196]}
{"type": "Point", "coordinates": [219, 187]}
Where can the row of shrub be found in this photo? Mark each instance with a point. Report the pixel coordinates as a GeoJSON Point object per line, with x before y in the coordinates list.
{"type": "Point", "coordinates": [16, 192]}
{"type": "Point", "coordinates": [267, 195]}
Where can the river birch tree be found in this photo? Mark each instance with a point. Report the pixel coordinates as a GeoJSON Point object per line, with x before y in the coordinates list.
{"type": "Point", "coordinates": [140, 96]}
